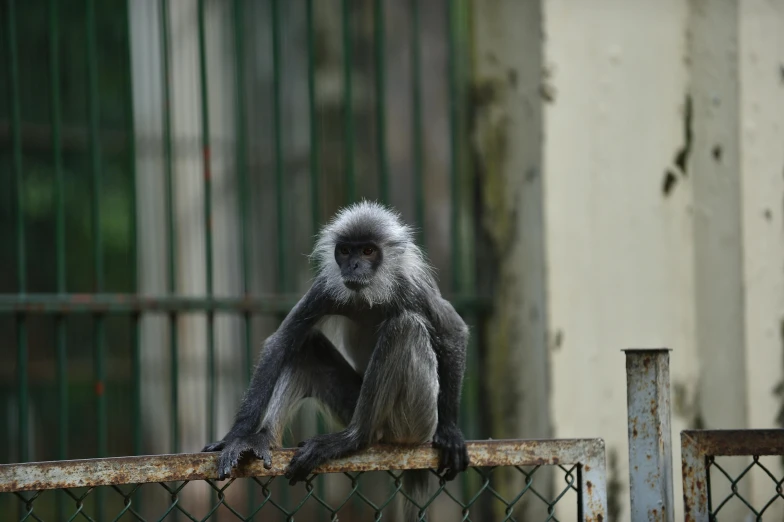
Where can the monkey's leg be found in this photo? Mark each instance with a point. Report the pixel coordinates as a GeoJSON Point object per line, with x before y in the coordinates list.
{"type": "Point", "coordinates": [397, 400]}
{"type": "Point", "coordinates": [317, 370]}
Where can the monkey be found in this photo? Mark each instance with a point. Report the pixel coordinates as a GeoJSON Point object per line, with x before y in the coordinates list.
{"type": "Point", "coordinates": [374, 302]}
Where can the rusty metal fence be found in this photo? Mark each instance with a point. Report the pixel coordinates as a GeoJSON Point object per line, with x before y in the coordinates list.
{"type": "Point", "coordinates": [582, 462]}
{"type": "Point", "coordinates": [709, 487]}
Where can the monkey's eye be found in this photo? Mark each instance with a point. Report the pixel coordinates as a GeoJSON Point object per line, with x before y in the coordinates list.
{"type": "Point", "coordinates": [368, 250]}
{"type": "Point", "coordinates": [343, 250]}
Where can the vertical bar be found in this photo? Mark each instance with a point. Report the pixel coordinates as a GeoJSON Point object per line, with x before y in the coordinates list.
{"type": "Point", "coordinates": [650, 440]}
{"type": "Point", "coordinates": [695, 480]}
{"type": "Point", "coordinates": [283, 272]}
{"type": "Point", "coordinates": [279, 176]}
{"type": "Point", "coordinates": [21, 320]}
{"type": "Point", "coordinates": [130, 130]}
{"type": "Point", "coordinates": [242, 169]}
{"type": "Point", "coordinates": [456, 55]}
{"type": "Point", "coordinates": [593, 484]}
{"type": "Point", "coordinates": [243, 191]}
{"type": "Point", "coordinates": [381, 122]}
{"type": "Point", "coordinates": [455, 97]}
{"type": "Point", "coordinates": [348, 120]}
{"type": "Point", "coordinates": [205, 121]}
{"type": "Point", "coordinates": [416, 95]}
{"type": "Point", "coordinates": [315, 194]}
{"type": "Point", "coordinates": [95, 167]}
{"type": "Point", "coordinates": [54, 64]}
{"type": "Point", "coordinates": [60, 332]}
{"type": "Point", "coordinates": [170, 227]}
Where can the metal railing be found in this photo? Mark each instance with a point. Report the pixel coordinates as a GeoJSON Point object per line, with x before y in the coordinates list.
{"type": "Point", "coordinates": [699, 449]}
{"type": "Point", "coordinates": [581, 460]}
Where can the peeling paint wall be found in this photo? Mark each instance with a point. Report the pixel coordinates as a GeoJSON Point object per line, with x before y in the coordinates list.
{"type": "Point", "coordinates": [762, 184]}
{"type": "Point", "coordinates": [619, 234]}
{"type": "Point", "coordinates": [657, 116]}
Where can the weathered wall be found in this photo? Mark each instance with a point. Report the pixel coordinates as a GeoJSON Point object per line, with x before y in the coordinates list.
{"type": "Point", "coordinates": [664, 193]}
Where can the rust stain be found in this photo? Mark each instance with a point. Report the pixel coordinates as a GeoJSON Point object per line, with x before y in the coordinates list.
{"type": "Point", "coordinates": [200, 466]}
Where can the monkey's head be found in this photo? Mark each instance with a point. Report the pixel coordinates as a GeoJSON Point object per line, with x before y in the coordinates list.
{"type": "Point", "coordinates": [365, 252]}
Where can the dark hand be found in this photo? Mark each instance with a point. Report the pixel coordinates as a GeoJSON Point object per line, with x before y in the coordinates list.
{"type": "Point", "coordinates": [232, 449]}
{"type": "Point", "coordinates": [316, 451]}
{"type": "Point", "coordinates": [454, 455]}
{"type": "Point", "coordinates": [310, 455]}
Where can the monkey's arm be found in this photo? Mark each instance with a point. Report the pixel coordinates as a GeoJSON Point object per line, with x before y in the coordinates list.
{"type": "Point", "coordinates": [278, 348]}
{"type": "Point", "coordinates": [450, 344]}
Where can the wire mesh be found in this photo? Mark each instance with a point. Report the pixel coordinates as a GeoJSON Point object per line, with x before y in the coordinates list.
{"type": "Point", "coordinates": [726, 487]}
{"type": "Point", "coordinates": [508, 480]}
{"type": "Point", "coordinates": [164, 500]}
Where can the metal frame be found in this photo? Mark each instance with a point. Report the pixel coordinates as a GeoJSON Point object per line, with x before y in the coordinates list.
{"type": "Point", "coordinates": [698, 445]}
{"type": "Point", "coordinates": [650, 438]}
{"type": "Point", "coordinates": [589, 454]}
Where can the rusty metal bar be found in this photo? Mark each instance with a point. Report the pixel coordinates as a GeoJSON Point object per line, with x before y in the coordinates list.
{"type": "Point", "coordinates": [37, 476]}
{"type": "Point", "coordinates": [593, 485]}
{"type": "Point", "coordinates": [650, 438]}
{"type": "Point", "coordinates": [131, 303]}
{"type": "Point", "coordinates": [695, 478]}
{"type": "Point", "coordinates": [738, 443]}
{"type": "Point", "coordinates": [698, 445]}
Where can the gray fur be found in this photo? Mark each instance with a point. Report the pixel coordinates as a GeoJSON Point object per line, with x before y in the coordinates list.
{"type": "Point", "coordinates": [386, 357]}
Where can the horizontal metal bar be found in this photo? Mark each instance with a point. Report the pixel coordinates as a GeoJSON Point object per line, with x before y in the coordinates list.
{"type": "Point", "coordinates": [735, 443]}
{"type": "Point", "coordinates": [36, 476]}
{"type": "Point", "coordinates": [130, 303]}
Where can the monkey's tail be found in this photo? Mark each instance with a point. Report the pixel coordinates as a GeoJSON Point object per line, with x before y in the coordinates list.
{"type": "Point", "coordinates": [415, 484]}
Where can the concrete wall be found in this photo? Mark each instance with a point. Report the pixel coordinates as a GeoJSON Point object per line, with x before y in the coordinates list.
{"type": "Point", "coordinates": [664, 217]}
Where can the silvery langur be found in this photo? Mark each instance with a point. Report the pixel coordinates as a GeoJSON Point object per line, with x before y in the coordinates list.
{"type": "Point", "coordinates": [376, 303]}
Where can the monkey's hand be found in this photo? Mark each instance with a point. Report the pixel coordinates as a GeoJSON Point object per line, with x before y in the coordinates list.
{"type": "Point", "coordinates": [454, 455]}
{"type": "Point", "coordinates": [317, 450]}
{"type": "Point", "coordinates": [257, 444]}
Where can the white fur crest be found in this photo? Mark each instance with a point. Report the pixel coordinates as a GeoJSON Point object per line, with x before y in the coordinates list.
{"type": "Point", "coordinates": [402, 262]}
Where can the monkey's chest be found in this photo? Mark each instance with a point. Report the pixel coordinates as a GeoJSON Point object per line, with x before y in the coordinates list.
{"type": "Point", "coordinates": [354, 339]}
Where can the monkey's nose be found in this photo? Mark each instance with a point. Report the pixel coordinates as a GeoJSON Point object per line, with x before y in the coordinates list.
{"type": "Point", "coordinates": [356, 265]}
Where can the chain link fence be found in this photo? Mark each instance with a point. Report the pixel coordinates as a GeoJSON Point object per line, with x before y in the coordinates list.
{"type": "Point", "coordinates": [368, 486]}
{"type": "Point", "coordinates": [719, 467]}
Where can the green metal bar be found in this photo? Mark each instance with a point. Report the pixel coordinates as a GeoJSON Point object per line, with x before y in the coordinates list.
{"type": "Point", "coordinates": [60, 323]}
{"type": "Point", "coordinates": [283, 271]}
{"type": "Point", "coordinates": [417, 135]}
{"type": "Point", "coordinates": [95, 167]}
{"type": "Point", "coordinates": [315, 190]}
{"type": "Point", "coordinates": [242, 171]}
{"type": "Point", "coordinates": [381, 134]}
{"type": "Point", "coordinates": [21, 320]}
{"type": "Point", "coordinates": [315, 193]}
{"type": "Point", "coordinates": [205, 121]}
{"type": "Point", "coordinates": [271, 304]}
{"type": "Point", "coordinates": [135, 318]}
{"type": "Point", "coordinates": [348, 121]}
{"type": "Point", "coordinates": [455, 74]}
{"type": "Point", "coordinates": [170, 227]}
{"type": "Point", "coordinates": [283, 278]}
{"type": "Point", "coordinates": [243, 190]}
{"type": "Point", "coordinates": [457, 70]}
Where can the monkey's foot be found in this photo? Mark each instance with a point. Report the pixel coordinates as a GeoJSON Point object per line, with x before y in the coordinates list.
{"type": "Point", "coordinates": [454, 455]}
{"type": "Point", "coordinates": [257, 444]}
{"type": "Point", "coordinates": [317, 450]}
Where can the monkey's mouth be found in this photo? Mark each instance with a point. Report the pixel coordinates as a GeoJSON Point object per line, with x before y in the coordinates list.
{"type": "Point", "coordinates": [355, 284]}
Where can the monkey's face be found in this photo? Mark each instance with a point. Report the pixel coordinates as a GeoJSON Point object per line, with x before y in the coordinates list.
{"type": "Point", "coordinates": [358, 262]}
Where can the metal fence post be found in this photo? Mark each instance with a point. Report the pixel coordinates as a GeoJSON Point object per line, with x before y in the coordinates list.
{"type": "Point", "coordinates": [650, 438]}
